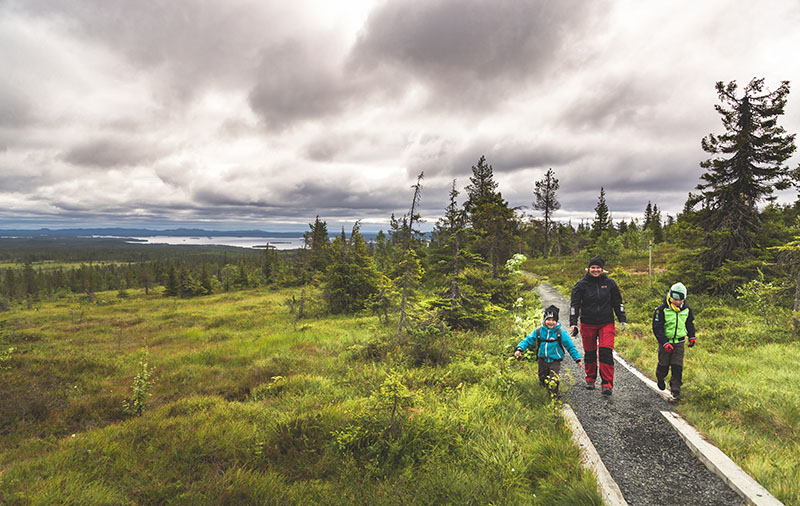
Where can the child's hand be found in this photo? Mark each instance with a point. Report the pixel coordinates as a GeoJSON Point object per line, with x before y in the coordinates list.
{"type": "Point", "coordinates": [668, 347]}
{"type": "Point", "coordinates": [517, 353]}
{"type": "Point", "coordinates": [578, 361]}
{"type": "Point", "coordinates": [692, 341]}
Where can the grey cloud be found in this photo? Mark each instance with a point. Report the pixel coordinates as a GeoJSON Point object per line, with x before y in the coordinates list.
{"type": "Point", "coordinates": [442, 157]}
{"type": "Point", "coordinates": [112, 153]}
{"type": "Point", "coordinates": [326, 195]}
{"type": "Point", "coordinates": [14, 112]}
{"type": "Point", "coordinates": [326, 148]}
{"type": "Point", "coordinates": [191, 41]}
{"type": "Point", "coordinates": [298, 82]}
{"type": "Point", "coordinates": [610, 104]}
{"type": "Point", "coordinates": [514, 155]}
{"type": "Point", "coordinates": [469, 50]}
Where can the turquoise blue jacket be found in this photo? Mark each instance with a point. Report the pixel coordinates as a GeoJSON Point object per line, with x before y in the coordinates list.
{"type": "Point", "coordinates": [549, 348]}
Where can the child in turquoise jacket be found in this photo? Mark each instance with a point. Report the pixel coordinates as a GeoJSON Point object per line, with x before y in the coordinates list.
{"type": "Point", "coordinates": [551, 340]}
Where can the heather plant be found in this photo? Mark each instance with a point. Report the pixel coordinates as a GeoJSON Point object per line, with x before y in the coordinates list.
{"type": "Point", "coordinates": [5, 356]}
{"type": "Point", "coordinates": [140, 390]}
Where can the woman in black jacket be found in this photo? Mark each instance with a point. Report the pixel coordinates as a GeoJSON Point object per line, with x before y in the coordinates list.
{"type": "Point", "coordinates": [596, 299]}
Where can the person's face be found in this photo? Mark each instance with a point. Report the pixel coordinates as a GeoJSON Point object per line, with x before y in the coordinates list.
{"type": "Point", "coordinates": [676, 302]}
{"type": "Point", "coordinates": [550, 323]}
{"type": "Point", "coordinates": [595, 270]}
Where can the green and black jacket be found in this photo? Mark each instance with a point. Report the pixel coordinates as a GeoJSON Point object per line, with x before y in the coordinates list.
{"type": "Point", "coordinates": [670, 326]}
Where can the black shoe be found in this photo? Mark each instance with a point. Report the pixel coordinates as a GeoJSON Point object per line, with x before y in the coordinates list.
{"type": "Point", "coordinates": [661, 384]}
{"type": "Point", "coordinates": [606, 391]}
{"type": "Point", "coordinates": [676, 394]}
{"type": "Point", "coordinates": [590, 385]}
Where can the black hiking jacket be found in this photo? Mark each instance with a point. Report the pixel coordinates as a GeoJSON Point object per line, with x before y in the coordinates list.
{"type": "Point", "coordinates": [596, 300]}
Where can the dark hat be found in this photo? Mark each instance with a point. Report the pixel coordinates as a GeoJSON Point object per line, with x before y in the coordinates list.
{"type": "Point", "coordinates": [551, 312]}
{"type": "Point", "coordinates": [596, 261]}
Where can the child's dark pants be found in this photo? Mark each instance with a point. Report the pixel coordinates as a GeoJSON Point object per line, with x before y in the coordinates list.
{"type": "Point", "coordinates": [549, 369]}
{"type": "Point", "coordinates": [674, 360]}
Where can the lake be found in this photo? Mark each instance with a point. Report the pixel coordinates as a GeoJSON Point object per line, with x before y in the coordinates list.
{"type": "Point", "coordinates": [240, 242]}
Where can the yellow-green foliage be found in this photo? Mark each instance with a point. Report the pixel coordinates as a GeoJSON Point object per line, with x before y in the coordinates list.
{"type": "Point", "coordinates": [244, 410]}
{"type": "Point", "coordinates": [741, 385]}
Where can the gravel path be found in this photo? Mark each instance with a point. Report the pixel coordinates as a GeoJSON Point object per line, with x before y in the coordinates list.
{"type": "Point", "coordinates": [644, 454]}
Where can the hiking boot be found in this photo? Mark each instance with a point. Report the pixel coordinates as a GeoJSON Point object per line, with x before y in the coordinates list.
{"type": "Point", "coordinates": [606, 391]}
{"type": "Point", "coordinates": [676, 394]}
{"type": "Point", "coordinates": [661, 384]}
{"type": "Point", "coordinates": [590, 385]}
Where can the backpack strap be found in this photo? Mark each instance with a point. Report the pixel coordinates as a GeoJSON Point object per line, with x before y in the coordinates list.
{"type": "Point", "coordinates": [539, 340]}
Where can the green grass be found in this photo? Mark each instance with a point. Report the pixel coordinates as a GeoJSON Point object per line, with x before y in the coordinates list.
{"type": "Point", "coordinates": [741, 383]}
{"type": "Point", "coordinates": [247, 411]}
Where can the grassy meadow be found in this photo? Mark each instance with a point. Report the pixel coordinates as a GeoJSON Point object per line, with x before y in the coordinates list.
{"type": "Point", "coordinates": [741, 382]}
{"type": "Point", "coordinates": [243, 409]}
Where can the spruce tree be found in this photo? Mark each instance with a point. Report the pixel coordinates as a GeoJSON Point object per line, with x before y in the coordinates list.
{"type": "Point", "coordinates": [745, 168]}
{"type": "Point", "coordinates": [171, 288]}
{"type": "Point", "coordinates": [493, 222]}
{"type": "Point", "coordinates": [546, 202]}
{"type": "Point", "coordinates": [655, 225]}
{"type": "Point", "coordinates": [382, 253]}
{"type": "Point", "coordinates": [602, 217]}
{"type": "Point", "coordinates": [460, 304]}
{"type": "Point", "coordinates": [648, 215]}
{"type": "Point", "coordinates": [350, 281]}
{"type": "Point", "coordinates": [410, 267]}
{"type": "Point", "coordinates": [10, 284]}
{"type": "Point", "coordinates": [318, 245]}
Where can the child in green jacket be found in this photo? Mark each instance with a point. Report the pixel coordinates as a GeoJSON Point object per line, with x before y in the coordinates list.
{"type": "Point", "coordinates": [673, 326]}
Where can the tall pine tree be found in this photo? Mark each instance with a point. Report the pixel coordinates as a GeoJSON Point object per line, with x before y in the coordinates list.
{"type": "Point", "coordinates": [602, 217]}
{"type": "Point", "coordinates": [546, 202]}
{"type": "Point", "coordinates": [493, 222]}
{"type": "Point", "coordinates": [745, 168]}
{"type": "Point", "coordinates": [318, 245]}
{"type": "Point", "coordinates": [350, 279]}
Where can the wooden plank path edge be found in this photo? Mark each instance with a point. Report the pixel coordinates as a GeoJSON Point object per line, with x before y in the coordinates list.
{"type": "Point", "coordinates": [711, 456]}
{"type": "Point", "coordinates": [609, 489]}
{"type": "Point", "coordinates": [720, 464]}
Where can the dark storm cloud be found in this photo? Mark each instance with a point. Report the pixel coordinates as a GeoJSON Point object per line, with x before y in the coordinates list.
{"type": "Point", "coordinates": [296, 83]}
{"type": "Point", "coordinates": [469, 50]}
{"type": "Point", "coordinates": [307, 194]}
{"type": "Point", "coordinates": [191, 41]}
{"type": "Point", "coordinates": [338, 194]}
{"type": "Point", "coordinates": [515, 155]}
{"type": "Point", "coordinates": [443, 158]}
{"type": "Point", "coordinates": [111, 153]}
{"type": "Point", "coordinates": [629, 182]}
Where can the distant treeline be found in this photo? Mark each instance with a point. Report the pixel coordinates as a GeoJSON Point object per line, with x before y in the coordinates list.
{"type": "Point", "coordinates": [47, 267]}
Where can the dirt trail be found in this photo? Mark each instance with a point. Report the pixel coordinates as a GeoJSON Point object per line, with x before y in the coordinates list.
{"type": "Point", "coordinates": [644, 454]}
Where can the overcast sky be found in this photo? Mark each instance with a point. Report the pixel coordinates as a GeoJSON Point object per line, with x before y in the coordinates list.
{"type": "Point", "coordinates": [262, 114]}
